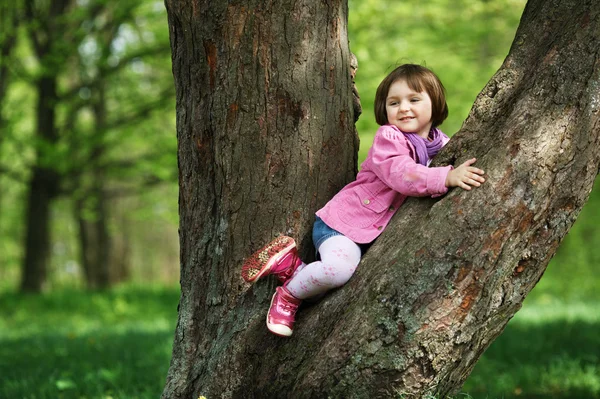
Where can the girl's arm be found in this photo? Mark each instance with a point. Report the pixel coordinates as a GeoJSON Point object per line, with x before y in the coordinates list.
{"type": "Point", "coordinates": [392, 163]}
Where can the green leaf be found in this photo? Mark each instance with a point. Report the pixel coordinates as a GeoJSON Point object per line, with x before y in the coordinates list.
{"type": "Point", "coordinates": [64, 384]}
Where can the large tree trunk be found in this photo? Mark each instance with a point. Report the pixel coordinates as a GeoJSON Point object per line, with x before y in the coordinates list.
{"type": "Point", "coordinates": [265, 137]}
{"type": "Point", "coordinates": [263, 103]}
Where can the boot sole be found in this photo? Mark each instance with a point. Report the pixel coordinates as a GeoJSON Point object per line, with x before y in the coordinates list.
{"type": "Point", "coordinates": [260, 263]}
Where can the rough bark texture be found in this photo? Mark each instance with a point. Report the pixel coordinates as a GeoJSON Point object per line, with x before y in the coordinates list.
{"type": "Point", "coordinates": [443, 280]}
{"type": "Point", "coordinates": [265, 136]}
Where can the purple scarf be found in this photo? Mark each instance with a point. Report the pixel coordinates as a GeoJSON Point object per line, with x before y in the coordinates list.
{"type": "Point", "coordinates": [426, 149]}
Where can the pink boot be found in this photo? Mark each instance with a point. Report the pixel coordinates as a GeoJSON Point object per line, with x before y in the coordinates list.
{"type": "Point", "coordinates": [282, 313]}
{"type": "Point", "coordinates": [279, 257]}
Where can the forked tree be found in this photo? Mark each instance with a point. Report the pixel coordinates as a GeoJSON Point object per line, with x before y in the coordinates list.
{"type": "Point", "coordinates": [266, 137]}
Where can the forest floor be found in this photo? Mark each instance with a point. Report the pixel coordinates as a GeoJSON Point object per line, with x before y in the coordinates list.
{"type": "Point", "coordinates": [117, 344]}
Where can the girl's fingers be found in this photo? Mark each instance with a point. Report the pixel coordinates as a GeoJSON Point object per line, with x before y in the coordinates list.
{"type": "Point", "coordinates": [476, 170]}
{"type": "Point", "coordinates": [470, 162]}
{"type": "Point", "coordinates": [477, 178]}
{"type": "Point", "coordinates": [471, 182]}
{"type": "Point", "coordinates": [468, 176]}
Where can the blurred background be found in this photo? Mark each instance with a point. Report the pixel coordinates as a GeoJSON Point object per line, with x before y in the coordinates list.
{"type": "Point", "coordinates": [89, 262]}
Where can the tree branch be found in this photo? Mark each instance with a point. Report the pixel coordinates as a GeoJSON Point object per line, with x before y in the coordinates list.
{"type": "Point", "coordinates": [106, 71]}
{"type": "Point", "coordinates": [12, 174]}
{"type": "Point", "coordinates": [143, 111]}
{"type": "Point", "coordinates": [146, 182]}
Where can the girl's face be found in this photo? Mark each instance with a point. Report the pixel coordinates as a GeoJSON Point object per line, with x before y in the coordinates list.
{"type": "Point", "coordinates": [408, 110]}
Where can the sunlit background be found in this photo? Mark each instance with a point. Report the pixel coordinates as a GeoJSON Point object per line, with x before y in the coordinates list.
{"type": "Point", "coordinates": [104, 329]}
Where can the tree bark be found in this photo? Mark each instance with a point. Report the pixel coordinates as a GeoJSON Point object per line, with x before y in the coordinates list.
{"type": "Point", "coordinates": [257, 91]}
{"type": "Point", "coordinates": [265, 137]}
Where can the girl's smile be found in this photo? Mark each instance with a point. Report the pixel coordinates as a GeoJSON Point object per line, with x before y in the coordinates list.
{"type": "Point", "coordinates": [408, 110]}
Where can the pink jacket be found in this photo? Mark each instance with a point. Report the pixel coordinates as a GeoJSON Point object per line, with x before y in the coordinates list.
{"type": "Point", "coordinates": [363, 208]}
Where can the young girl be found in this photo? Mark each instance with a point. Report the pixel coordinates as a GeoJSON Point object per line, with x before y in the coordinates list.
{"type": "Point", "coordinates": [409, 105]}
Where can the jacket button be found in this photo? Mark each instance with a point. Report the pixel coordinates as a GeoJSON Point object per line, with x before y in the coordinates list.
{"type": "Point", "coordinates": [379, 227]}
{"type": "Point", "coordinates": [391, 208]}
{"type": "Point", "coordinates": [366, 202]}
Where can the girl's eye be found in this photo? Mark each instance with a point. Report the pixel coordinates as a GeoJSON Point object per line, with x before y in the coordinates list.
{"type": "Point", "coordinates": [414, 100]}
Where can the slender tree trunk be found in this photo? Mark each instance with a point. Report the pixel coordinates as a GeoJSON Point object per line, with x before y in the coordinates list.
{"type": "Point", "coordinates": [443, 280]}
{"type": "Point", "coordinates": [120, 259]}
{"type": "Point", "coordinates": [45, 180]}
{"type": "Point", "coordinates": [94, 239]}
{"type": "Point", "coordinates": [92, 212]}
{"type": "Point", "coordinates": [43, 187]}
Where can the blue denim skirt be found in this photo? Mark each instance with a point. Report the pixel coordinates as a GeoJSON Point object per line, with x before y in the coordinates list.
{"type": "Point", "coordinates": [322, 232]}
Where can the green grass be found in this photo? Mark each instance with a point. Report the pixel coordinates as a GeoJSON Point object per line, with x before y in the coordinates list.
{"type": "Point", "coordinates": [548, 350]}
{"type": "Point", "coordinates": [73, 344]}
{"type": "Point", "coordinates": [117, 344]}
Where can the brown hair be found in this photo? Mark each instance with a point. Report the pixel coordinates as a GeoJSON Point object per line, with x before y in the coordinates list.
{"type": "Point", "coordinates": [419, 79]}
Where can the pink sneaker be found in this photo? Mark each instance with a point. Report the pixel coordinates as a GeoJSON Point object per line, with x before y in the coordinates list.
{"type": "Point", "coordinates": [282, 313]}
{"type": "Point", "coordinates": [279, 257]}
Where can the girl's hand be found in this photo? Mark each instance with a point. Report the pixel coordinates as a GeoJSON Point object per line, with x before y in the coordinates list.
{"type": "Point", "coordinates": [465, 176]}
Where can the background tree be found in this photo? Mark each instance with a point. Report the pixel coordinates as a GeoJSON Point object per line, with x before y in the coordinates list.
{"type": "Point", "coordinates": [47, 22]}
{"type": "Point", "coordinates": [455, 270]}
{"type": "Point", "coordinates": [100, 59]}
{"type": "Point", "coordinates": [91, 147]}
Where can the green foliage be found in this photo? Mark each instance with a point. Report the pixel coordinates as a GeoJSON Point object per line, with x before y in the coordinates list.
{"type": "Point", "coordinates": [106, 55]}
{"type": "Point", "coordinates": [463, 41]}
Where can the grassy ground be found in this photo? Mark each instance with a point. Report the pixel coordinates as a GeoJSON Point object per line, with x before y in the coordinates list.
{"type": "Point", "coordinates": [549, 350]}
{"type": "Point", "coordinates": [86, 345]}
{"type": "Point", "coordinates": [74, 344]}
